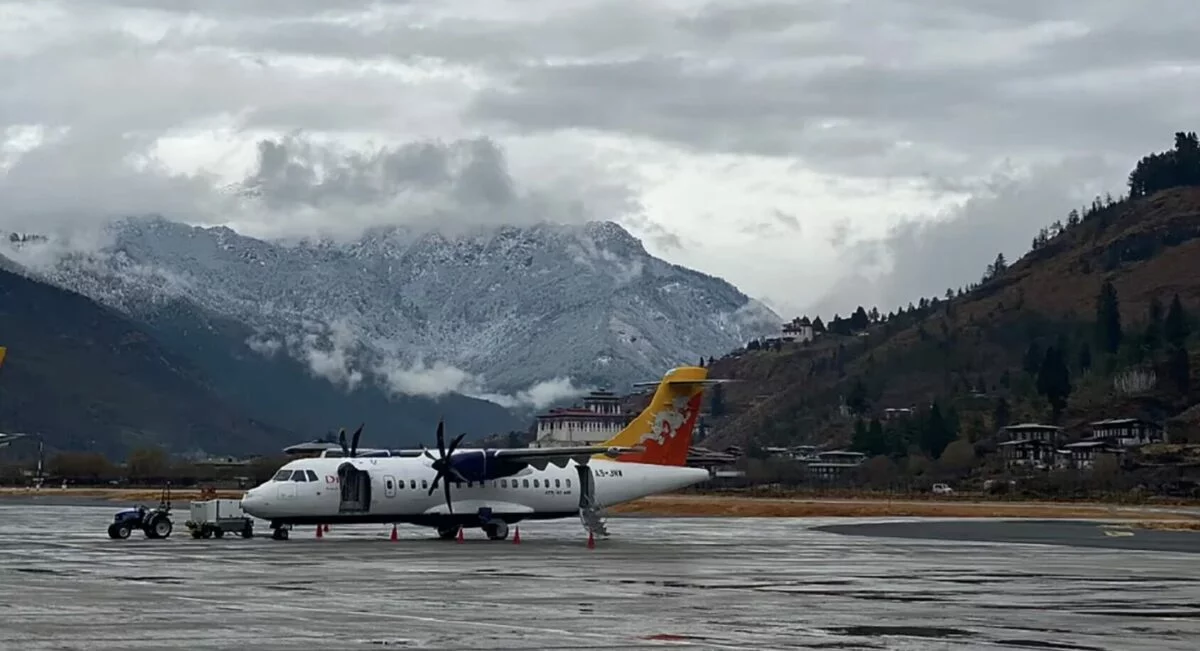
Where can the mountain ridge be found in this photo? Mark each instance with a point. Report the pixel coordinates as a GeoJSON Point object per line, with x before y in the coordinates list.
{"type": "Point", "coordinates": [523, 316]}
{"type": "Point", "coordinates": [86, 377]}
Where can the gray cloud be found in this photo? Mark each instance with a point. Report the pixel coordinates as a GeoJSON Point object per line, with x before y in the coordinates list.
{"type": "Point", "coordinates": [923, 258]}
{"type": "Point", "coordinates": [934, 94]}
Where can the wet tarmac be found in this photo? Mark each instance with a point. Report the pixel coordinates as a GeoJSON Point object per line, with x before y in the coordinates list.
{"type": "Point", "coordinates": [704, 583]}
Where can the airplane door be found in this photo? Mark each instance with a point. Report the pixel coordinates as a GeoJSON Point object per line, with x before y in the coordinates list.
{"type": "Point", "coordinates": [389, 486]}
{"type": "Point", "coordinates": [587, 486]}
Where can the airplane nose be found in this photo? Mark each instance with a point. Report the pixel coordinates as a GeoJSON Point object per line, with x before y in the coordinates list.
{"type": "Point", "coordinates": [252, 502]}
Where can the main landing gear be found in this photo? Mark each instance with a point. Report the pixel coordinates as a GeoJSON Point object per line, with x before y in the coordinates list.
{"type": "Point", "coordinates": [495, 530]}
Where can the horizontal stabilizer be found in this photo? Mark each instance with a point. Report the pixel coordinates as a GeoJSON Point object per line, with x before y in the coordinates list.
{"type": "Point", "coordinates": [702, 383]}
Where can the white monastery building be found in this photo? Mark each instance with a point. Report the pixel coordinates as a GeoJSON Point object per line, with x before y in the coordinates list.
{"type": "Point", "coordinates": [599, 419]}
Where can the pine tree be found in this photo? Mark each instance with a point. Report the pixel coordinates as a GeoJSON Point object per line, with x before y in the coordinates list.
{"type": "Point", "coordinates": [1179, 369]}
{"type": "Point", "coordinates": [1001, 414]}
{"type": "Point", "coordinates": [1054, 380]}
{"type": "Point", "coordinates": [1175, 327]}
{"type": "Point", "coordinates": [937, 433]}
{"type": "Point", "coordinates": [1085, 357]}
{"type": "Point", "coordinates": [859, 442]}
{"type": "Point", "coordinates": [716, 401]}
{"type": "Point", "coordinates": [876, 435]}
{"type": "Point", "coordinates": [1153, 336]}
{"type": "Point", "coordinates": [1108, 319]}
{"type": "Point", "coordinates": [857, 399]}
{"type": "Point", "coordinates": [1033, 358]}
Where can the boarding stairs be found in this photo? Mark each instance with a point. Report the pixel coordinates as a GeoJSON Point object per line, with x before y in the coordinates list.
{"type": "Point", "coordinates": [591, 515]}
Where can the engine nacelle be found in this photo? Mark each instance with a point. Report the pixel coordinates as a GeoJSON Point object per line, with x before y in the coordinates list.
{"type": "Point", "coordinates": [482, 465]}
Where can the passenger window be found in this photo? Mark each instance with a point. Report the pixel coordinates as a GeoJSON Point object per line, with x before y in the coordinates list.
{"type": "Point", "coordinates": [458, 484]}
{"type": "Point", "coordinates": [424, 483]}
{"type": "Point", "coordinates": [568, 483]}
{"type": "Point", "coordinates": [556, 484]}
{"type": "Point", "coordinates": [312, 476]}
{"type": "Point", "coordinates": [388, 484]}
{"type": "Point", "coordinates": [470, 484]}
{"type": "Point", "coordinates": [412, 483]}
{"type": "Point", "coordinates": [503, 483]}
{"type": "Point", "coordinates": [525, 483]}
{"type": "Point", "coordinates": [535, 484]}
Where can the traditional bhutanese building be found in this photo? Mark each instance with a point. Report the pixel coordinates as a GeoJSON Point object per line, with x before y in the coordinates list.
{"type": "Point", "coordinates": [598, 420]}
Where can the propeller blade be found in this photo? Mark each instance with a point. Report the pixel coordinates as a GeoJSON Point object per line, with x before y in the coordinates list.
{"type": "Point", "coordinates": [434, 485]}
{"type": "Point", "coordinates": [342, 441]}
{"type": "Point", "coordinates": [354, 441]}
{"type": "Point", "coordinates": [455, 442]}
{"type": "Point", "coordinates": [449, 505]}
{"type": "Point", "coordinates": [441, 439]}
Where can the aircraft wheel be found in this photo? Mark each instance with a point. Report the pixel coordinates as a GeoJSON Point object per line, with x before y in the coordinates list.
{"type": "Point", "coordinates": [447, 533]}
{"type": "Point", "coordinates": [496, 530]}
{"type": "Point", "coordinates": [279, 534]}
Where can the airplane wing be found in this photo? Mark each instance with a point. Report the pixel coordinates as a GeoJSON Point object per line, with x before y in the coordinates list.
{"type": "Point", "coordinates": [537, 457]}
{"type": "Point", "coordinates": [541, 457]}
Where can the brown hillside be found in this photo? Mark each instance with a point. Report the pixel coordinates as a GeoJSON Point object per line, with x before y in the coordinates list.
{"type": "Point", "coordinates": [967, 351]}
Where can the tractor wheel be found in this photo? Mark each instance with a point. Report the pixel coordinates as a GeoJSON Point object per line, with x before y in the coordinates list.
{"type": "Point", "coordinates": [159, 526]}
{"type": "Point", "coordinates": [206, 532]}
{"type": "Point", "coordinates": [248, 530]}
{"type": "Point", "coordinates": [118, 531]}
{"type": "Point", "coordinates": [219, 532]}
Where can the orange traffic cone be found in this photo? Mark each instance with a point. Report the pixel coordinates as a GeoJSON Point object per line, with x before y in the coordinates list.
{"type": "Point", "coordinates": [460, 534]}
{"type": "Point", "coordinates": [394, 536]}
{"type": "Point", "coordinates": [326, 527]}
{"type": "Point", "coordinates": [318, 531]}
{"type": "Point", "coordinates": [591, 540]}
{"type": "Point", "coordinates": [517, 536]}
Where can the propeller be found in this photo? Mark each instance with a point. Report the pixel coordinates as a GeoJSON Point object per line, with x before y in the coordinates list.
{"type": "Point", "coordinates": [445, 469]}
{"type": "Point", "coordinates": [352, 450]}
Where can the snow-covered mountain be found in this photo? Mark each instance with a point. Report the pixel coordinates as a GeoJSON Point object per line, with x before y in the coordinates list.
{"type": "Point", "coordinates": [521, 316]}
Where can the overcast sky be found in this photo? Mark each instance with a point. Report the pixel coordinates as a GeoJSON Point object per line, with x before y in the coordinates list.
{"type": "Point", "coordinates": [817, 153]}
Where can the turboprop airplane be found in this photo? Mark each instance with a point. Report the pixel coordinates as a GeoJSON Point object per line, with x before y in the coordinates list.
{"type": "Point", "coordinates": [492, 488]}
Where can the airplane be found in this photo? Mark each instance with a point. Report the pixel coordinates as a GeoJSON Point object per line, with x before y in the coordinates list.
{"type": "Point", "coordinates": [492, 488]}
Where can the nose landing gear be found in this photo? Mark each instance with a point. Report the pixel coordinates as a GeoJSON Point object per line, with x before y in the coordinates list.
{"type": "Point", "coordinates": [279, 531]}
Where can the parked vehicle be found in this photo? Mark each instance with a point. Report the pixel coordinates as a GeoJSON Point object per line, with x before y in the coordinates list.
{"type": "Point", "coordinates": [215, 517]}
{"type": "Point", "coordinates": [156, 522]}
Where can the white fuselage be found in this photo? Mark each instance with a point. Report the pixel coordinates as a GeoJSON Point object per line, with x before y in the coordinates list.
{"type": "Point", "coordinates": [399, 491]}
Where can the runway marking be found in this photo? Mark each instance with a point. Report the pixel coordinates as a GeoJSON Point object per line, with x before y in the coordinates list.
{"type": "Point", "coordinates": [463, 622]}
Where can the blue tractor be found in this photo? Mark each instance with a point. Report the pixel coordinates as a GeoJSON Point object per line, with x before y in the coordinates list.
{"type": "Point", "coordinates": [155, 523]}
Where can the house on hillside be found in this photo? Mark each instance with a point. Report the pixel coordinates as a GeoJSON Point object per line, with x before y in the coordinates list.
{"type": "Point", "coordinates": [896, 413]}
{"type": "Point", "coordinates": [1127, 432]}
{"type": "Point", "coordinates": [799, 330]}
{"type": "Point", "coordinates": [1031, 444]}
{"type": "Point", "coordinates": [1083, 455]}
{"type": "Point", "coordinates": [834, 464]}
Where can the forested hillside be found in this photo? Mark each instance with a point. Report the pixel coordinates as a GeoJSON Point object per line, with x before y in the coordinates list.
{"type": "Point", "coordinates": [1097, 320]}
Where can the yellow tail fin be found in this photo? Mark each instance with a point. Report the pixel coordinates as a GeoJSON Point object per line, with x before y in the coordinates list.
{"type": "Point", "coordinates": [664, 428]}
{"type": "Point", "coordinates": [3, 351]}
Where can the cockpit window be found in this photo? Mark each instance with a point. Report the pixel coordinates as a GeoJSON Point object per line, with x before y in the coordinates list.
{"type": "Point", "coordinates": [282, 475]}
{"type": "Point", "coordinates": [312, 476]}
{"type": "Point", "coordinates": [299, 476]}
